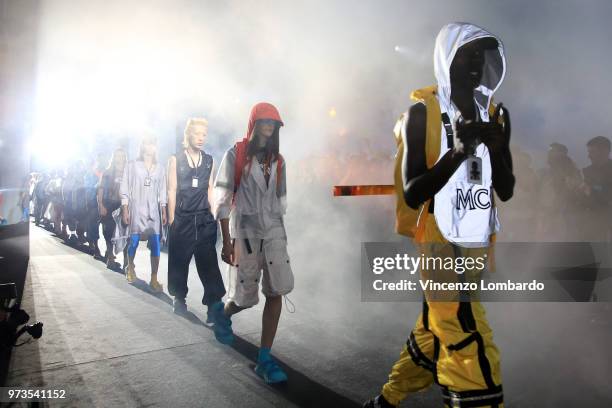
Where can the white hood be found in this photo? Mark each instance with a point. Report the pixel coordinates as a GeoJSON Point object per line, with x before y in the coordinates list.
{"type": "Point", "coordinates": [451, 37]}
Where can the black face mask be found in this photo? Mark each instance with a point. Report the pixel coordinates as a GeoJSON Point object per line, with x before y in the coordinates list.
{"type": "Point", "coordinates": [468, 64]}
{"type": "Point", "coordinates": [467, 68]}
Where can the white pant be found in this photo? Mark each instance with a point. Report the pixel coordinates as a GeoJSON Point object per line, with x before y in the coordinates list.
{"type": "Point", "coordinates": [253, 256]}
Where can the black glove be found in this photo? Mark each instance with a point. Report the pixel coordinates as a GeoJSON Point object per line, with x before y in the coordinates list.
{"type": "Point", "coordinates": [495, 134]}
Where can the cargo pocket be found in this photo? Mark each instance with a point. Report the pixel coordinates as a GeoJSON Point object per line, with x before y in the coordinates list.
{"type": "Point", "coordinates": [245, 277]}
{"type": "Point", "coordinates": [278, 276]}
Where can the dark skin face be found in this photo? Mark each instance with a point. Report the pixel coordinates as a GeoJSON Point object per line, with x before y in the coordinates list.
{"type": "Point", "coordinates": [466, 73]}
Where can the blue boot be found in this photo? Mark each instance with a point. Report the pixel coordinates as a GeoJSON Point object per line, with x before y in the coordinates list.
{"type": "Point", "coordinates": [222, 324]}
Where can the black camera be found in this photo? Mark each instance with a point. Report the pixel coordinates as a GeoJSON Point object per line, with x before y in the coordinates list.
{"type": "Point", "coordinates": [12, 316]}
{"type": "Point", "coordinates": [467, 143]}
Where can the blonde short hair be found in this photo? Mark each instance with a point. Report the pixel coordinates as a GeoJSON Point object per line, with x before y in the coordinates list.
{"type": "Point", "coordinates": [192, 122]}
{"type": "Point", "coordinates": [147, 138]}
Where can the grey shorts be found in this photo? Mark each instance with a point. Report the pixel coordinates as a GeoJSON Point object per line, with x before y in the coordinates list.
{"type": "Point", "coordinates": [252, 257]}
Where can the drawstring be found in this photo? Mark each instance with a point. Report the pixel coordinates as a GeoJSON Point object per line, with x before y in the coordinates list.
{"type": "Point", "coordinates": [287, 302]}
{"type": "Point", "coordinates": [195, 223]}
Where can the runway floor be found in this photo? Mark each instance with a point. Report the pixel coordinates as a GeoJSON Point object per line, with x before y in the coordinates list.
{"type": "Point", "coordinates": [110, 344]}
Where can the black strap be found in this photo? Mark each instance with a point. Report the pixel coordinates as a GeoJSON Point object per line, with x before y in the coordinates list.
{"type": "Point", "coordinates": [483, 361]}
{"type": "Point", "coordinates": [466, 318]}
{"type": "Point", "coordinates": [418, 357]}
{"type": "Point", "coordinates": [248, 246]}
{"type": "Point", "coordinates": [436, 356]}
{"type": "Point", "coordinates": [468, 324]}
{"type": "Point", "coordinates": [492, 396]}
{"type": "Point", "coordinates": [463, 343]}
{"type": "Point", "coordinates": [449, 130]}
{"type": "Point", "coordinates": [425, 315]}
{"type": "Point", "coordinates": [431, 207]}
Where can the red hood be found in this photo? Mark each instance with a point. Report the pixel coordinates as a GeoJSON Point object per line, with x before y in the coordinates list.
{"type": "Point", "coordinates": [262, 110]}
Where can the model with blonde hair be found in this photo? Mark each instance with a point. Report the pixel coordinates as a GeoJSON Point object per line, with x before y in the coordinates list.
{"type": "Point", "coordinates": [143, 204]}
{"type": "Point", "coordinates": [193, 229]}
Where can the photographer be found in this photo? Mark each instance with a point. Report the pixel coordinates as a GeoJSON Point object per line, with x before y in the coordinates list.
{"type": "Point", "coordinates": [559, 196]}
{"type": "Point", "coordinates": [597, 190]}
{"type": "Point", "coordinates": [456, 125]}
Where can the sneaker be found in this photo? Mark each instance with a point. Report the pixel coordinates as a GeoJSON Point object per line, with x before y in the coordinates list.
{"type": "Point", "coordinates": [222, 324]}
{"type": "Point", "coordinates": [179, 306]}
{"type": "Point", "coordinates": [210, 318]}
{"type": "Point", "coordinates": [130, 275]}
{"type": "Point", "coordinates": [114, 266]}
{"type": "Point", "coordinates": [270, 371]}
{"type": "Point", "coordinates": [378, 402]}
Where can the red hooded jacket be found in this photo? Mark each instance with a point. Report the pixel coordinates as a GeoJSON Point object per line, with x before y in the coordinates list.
{"type": "Point", "coordinates": [262, 110]}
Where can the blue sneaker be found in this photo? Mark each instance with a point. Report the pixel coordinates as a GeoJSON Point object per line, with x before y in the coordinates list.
{"type": "Point", "coordinates": [210, 318]}
{"type": "Point", "coordinates": [222, 324]}
{"type": "Point", "coordinates": [270, 371]}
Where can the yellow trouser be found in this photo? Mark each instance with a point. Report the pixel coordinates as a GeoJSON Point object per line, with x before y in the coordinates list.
{"type": "Point", "coordinates": [451, 345]}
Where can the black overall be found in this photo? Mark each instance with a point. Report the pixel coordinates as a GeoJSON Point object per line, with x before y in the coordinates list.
{"type": "Point", "coordinates": [193, 232]}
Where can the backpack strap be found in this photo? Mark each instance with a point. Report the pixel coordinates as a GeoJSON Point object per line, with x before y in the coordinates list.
{"type": "Point", "coordinates": [448, 127]}
{"type": "Point", "coordinates": [279, 165]}
{"type": "Point", "coordinates": [241, 158]}
{"type": "Point", "coordinates": [428, 96]}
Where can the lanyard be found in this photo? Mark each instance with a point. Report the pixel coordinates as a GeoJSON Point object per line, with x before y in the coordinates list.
{"type": "Point", "coordinates": [191, 161]}
{"type": "Point", "coordinates": [147, 182]}
{"type": "Point", "coordinates": [194, 179]}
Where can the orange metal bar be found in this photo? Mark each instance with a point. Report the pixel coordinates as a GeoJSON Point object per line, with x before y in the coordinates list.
{"type": "Point", "coordinates": [370, 189]}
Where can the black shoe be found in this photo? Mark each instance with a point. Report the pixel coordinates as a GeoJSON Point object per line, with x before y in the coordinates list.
{"type": "Point", "coordinates": [179, 306]}
{"type": "Point", "coordinates": [378, 402]}
{"type": "Point", "coordinates": [114, 266]}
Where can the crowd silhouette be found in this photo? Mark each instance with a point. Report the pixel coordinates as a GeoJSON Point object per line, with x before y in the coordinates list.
{"type": "Point", "coordinates": [556, 201]}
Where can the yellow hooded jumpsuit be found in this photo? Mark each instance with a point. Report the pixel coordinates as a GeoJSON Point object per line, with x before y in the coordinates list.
{"type": "Point", "coordinates": [452, 343]}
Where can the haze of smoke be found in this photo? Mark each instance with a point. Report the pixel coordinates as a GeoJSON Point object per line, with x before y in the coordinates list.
{"type": "Point", "coordinates": [161, 62]}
